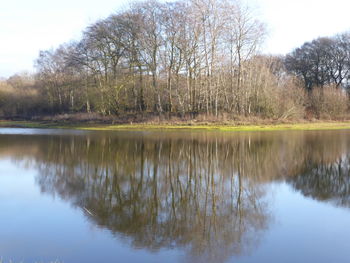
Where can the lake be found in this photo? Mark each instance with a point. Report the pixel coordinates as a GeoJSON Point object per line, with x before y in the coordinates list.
{"type": "Point", "coordinates": [130, 196]}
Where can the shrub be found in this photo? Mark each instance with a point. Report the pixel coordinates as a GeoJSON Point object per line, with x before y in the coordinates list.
{"type": "Point", "coordinates": [329, 102]}
{"type": "Point", "coordinates": [291, 100]}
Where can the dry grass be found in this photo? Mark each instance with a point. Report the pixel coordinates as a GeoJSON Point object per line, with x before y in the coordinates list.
{"type": "Point", "coordinates": [268, 125]}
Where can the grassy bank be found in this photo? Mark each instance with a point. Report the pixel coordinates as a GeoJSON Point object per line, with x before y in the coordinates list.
{"type": "Point", "coordinates": [183, 126]}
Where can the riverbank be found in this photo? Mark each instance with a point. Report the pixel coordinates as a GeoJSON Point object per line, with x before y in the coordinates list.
{"type": "Point", "coordinates": [329, 125]}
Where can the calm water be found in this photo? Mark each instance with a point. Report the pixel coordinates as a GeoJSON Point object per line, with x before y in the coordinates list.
{"type": "Point", "coordinates": [174, 197]}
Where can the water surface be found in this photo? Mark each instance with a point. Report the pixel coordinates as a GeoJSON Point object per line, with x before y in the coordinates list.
{"type": "Point", "coordinates": [81, 196]}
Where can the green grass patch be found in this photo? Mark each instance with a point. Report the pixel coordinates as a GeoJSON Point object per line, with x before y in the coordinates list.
{"type": "Point", "coordinates": [178, 127]}
{"type": "Point", "coordinates": [273, 127]}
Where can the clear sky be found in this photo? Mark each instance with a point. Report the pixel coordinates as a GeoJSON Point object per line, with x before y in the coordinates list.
{"type": "Point", "coordinates": [27, 26]}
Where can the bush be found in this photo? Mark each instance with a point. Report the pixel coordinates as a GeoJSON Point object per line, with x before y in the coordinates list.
{"type": "Point", "coordinates": [273, 95]}
{"type": "Point", "coordinates": [329, 102]}
{"type": "Point", "coordinates": [291, 100]}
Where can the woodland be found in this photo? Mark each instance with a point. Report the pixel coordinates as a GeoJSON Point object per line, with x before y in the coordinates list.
{"type": "Point", "coordinates": [194, 59]}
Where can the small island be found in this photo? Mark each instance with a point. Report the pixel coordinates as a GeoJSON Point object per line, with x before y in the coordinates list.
{"type": "Point", "coordinates": [182, 62]}
{"type": "Point", "coordinates": [184, 131]}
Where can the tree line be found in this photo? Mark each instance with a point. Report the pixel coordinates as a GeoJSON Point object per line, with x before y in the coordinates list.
{"type": "Point", "coordinates": [195, 57]}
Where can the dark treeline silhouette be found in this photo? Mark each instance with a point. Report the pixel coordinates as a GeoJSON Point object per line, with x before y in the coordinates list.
{"type": "Point", "coordinates": [184, 58]}
{"type": "Point", "coordinates": [324, 61]}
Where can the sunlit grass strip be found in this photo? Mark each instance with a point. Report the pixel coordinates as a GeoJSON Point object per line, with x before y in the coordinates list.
{"type": "Point", "coordinates": [191, 127]}
{"type": "Point", "coordinates": [273, 127]}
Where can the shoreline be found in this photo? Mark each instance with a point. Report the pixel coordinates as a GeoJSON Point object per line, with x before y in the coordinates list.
{"type": "Point", "coordinates": [321, 125]}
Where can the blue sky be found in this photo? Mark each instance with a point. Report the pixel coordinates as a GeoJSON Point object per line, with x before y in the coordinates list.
{"type": "Point", "coordinates": [27, 26]}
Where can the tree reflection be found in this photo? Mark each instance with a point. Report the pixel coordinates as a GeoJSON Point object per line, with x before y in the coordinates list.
{"type": "Point", "coordinates": [204, 192]}
{"type": "Point", "coordinates": [160, 193]}
{"type": "Point", "coordinates": [325, 181]}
